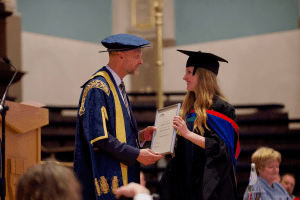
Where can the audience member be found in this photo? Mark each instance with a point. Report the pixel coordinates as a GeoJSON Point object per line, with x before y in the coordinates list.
{"type": "Point", "coordinates": [288, 181]}
{"type": "Point", "coordinates": [267, 161]}
{"type": "Point", "coordinates": [49, 181]}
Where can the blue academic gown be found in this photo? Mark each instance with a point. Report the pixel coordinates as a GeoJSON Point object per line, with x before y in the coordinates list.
{"type": "Point", "coordinates": [106, 139]}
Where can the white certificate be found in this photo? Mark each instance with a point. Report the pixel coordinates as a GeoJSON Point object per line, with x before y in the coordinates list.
{"type": "Point", "coordinates": [164, 137]}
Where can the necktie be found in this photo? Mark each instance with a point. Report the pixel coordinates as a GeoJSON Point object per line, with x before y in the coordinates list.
{"type": "Point", "coordinates": [122, 87]}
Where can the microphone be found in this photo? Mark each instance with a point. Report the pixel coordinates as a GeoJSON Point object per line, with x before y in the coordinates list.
{"type": "Point", "coordinates": [5, 93]}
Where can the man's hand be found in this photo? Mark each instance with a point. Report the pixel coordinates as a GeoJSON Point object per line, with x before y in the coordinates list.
{"type": "Point", "coordinates": [148, 157]}
{"type": "Point", "coordinates": [131, 190]}
{"type": "Point", "coordinates": [147, 133]}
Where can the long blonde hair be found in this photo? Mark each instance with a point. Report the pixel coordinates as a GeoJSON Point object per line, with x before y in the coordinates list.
{"type": "Point", "coordinates": [207, 87]}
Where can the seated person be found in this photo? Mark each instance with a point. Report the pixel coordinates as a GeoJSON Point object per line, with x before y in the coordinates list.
{"type": "Point", "coordinates": [288, 182]}
{"type": "Point", "coordinates": [48, 182]}
{"type": "Point", "coordinates": [267, 161]}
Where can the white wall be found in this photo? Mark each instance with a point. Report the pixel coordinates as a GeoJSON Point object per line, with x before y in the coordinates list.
{"type": "Point", "coordinates": [261, 69]}
{"type": "Point", "coordinates": [57, 67]}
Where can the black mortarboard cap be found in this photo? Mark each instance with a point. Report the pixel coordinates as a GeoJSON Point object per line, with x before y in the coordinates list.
{"type": "Point", "coordinates": [123, 42]}
{"type": "Point", "coordinates": [203, 60]}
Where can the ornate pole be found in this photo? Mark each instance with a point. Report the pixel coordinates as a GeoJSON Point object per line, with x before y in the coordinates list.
{"type": "Point", "coordinates": [159, 54]}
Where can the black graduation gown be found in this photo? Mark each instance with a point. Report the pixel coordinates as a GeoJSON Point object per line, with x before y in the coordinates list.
{"type": "Point", "coordinates": [201, 174]}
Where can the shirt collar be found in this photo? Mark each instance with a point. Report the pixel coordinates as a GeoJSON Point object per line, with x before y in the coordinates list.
{"type": "Point", "coordinates": [115, 76]}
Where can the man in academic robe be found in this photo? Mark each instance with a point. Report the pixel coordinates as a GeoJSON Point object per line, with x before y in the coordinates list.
{"type": "Point", "coordinates": [107, 153]}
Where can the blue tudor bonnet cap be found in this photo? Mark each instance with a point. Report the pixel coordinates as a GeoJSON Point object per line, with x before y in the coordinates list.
{"type": "Point", "coordinates": [123, 42]}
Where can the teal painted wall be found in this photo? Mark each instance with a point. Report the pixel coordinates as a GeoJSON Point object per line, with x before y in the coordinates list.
{"type": "Point", "coordinates": [86, 20]}
{"type": "Point", "coordinates": [198, 21]}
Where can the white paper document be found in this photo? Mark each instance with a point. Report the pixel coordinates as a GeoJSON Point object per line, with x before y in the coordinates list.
{"type": "Point", "coordinates": [164, 137]}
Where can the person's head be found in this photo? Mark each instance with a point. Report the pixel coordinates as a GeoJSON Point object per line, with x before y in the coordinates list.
{"type": "Point", "coordinates": [126, 62]}
{"type": "Point", "coordinates": [288, 181]}
{"type": "Point", "coordinates": [207, 67]}
{"type": "Point", "coordinates": [202, 85]}
{"type": "Point", "coordinates": [267, 161]}
{"type": "Point", "coordinates": [47, 182]}
{"type": "Point", "coordinates": [125, 54]}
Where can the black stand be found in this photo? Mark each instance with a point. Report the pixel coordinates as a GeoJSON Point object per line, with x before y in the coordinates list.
{"type": "Point", "coordinates": [3, 181]}
{"type": "Point", "coordinates": [3, 110]}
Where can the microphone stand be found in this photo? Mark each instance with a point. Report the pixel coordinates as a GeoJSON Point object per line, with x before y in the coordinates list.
{"type": "Point", "coordinates": [3, 110]}
{"type": "Point", "coordinates": [3, 181]}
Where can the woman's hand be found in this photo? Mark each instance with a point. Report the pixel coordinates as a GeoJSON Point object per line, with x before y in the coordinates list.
{"type": "Point", "coordinates": [180, 125]}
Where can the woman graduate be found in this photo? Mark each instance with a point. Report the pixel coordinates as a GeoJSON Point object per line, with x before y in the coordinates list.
{"type": "Point", "coordinates": [207, 146]}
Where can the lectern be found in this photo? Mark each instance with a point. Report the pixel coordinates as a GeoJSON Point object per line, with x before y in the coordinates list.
{"type": "Point", "coordinates": [22, 141]}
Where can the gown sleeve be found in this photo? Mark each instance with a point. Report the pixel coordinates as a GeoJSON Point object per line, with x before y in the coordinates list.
{"type": "Point", "coordinates": [218, 177]}
{"type": "Point", "coordinates": [217, 167]}
{"type": "Point", "coordinates": [126, 154]}
{"type": "Point", "coordinates": [95, 128]}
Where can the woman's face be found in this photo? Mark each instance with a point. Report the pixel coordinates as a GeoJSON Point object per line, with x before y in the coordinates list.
{"type": "Point", "coordinates": [191, 80]}
{"type": "Point", "coordinates": [271, 171]}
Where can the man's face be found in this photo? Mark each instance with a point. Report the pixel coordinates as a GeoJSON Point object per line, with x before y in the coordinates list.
{"type": "Point", "coordinates": [288, 182]}
{"type": "Point", "coordinates": [132, 61]}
